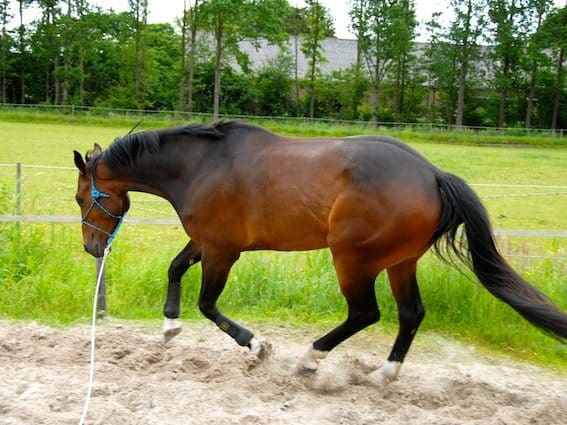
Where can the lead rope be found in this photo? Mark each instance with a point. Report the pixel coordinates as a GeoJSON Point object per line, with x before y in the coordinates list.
{"type": "Point", "coordinates": [93, 338]}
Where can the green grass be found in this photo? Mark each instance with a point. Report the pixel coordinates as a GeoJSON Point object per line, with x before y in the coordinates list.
{"type": "Point", "coordinates": [52, 143]}
{"type": "Point", "coordinates": [46, 276]}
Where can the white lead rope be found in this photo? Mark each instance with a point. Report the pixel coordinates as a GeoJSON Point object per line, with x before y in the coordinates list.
{"type": "Point", "coordinates": [93, 338]}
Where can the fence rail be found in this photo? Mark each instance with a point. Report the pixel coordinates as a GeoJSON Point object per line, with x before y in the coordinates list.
{"type": "Point", "coordinates": [69, 219]}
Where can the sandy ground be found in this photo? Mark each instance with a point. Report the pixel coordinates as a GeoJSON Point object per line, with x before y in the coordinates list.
{"type": "Point", "coordinates": [202, 377]}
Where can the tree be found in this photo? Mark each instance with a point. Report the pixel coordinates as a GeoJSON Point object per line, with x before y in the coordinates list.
{"type": "Point", "coordinates": [553, 35]}
{"type": "Point", "coordinates": [231, 21]}
{"type": "Point", "coordinates": [379, 42]}
{"type": "Point", "coordinates": [5, 45]}
{"type": "Point", "coordinates": [272, 86]}
{"type": "Point", "coordinates": [47, 53]}
{"type": "Point", "coordinates": [162, 58]}
{"type": "Point", "coordinates": [534, 55]}
{"type": "Point", "coordinates": [189, 28]}
{"type": "Point", "coordinates": [312, 47]}
{"type": "Point", "coordinates": [295, 28]}
{"type": "Point", "coordinates": [22, 4]}
{"type": "Point", "coordinates": [358, 25]}
{"type": "Point", "coordinates": [139, 9]}
{"type": "Point", "coordinates": [463, 35]}
{"type": "Point", "coordinates": [404, 25]}
{"type": "Point", "coordinates": [509, 37]}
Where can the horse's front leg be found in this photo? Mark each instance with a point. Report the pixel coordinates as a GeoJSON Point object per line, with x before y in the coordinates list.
{"type": "Point", "coordinates": [188, 256]}
{"type": "Point", "coordinates": [215, 273]}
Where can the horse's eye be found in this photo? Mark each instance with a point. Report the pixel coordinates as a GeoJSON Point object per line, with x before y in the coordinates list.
{"type": "Point", "coordinates": [80, 201]}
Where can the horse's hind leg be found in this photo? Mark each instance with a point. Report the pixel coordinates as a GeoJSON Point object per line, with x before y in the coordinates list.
{"type": "Point", "coordinates": [358, 290]}
{"type": "Point", "coordinates": [188, 256]}
{"type": "Point", "coordinates": [410, 314]}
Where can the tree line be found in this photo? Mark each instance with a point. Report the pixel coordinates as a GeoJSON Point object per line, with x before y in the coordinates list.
{"type": "Point", "coordinates": [496, 63]}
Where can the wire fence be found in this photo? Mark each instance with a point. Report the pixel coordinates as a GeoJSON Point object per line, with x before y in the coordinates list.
{"type": "Point", "coordinates": [31, 200]}
{"type": "Point", "coordinates": [175, 114]}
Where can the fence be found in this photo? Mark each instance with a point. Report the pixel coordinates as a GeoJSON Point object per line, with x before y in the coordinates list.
{"type": "Point", "coordinates": [34, 203]}
{"type": "Point", "coordinates": [164, 114]}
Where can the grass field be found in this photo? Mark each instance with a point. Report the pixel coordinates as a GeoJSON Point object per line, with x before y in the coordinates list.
{"type": "Point", "coordinates": [46, 276]}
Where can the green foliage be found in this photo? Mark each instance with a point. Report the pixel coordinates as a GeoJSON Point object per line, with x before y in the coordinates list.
{"type": "Point", "coordinates": [273, 87]}
{"type": "Point", "coordinates": [93, 57]}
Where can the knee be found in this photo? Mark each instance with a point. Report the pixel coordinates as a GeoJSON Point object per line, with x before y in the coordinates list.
{"type": "Point", "coordinates": [175, 271]}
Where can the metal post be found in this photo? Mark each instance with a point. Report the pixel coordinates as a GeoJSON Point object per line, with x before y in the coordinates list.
{"type": "Point", "coordinates": [19, 188]}
{"type": "Point", "coordinates": [101, 299]}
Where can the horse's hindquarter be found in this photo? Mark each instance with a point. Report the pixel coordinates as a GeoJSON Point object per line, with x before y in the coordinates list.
{"type": "Point", "coordinates": [391, 208]}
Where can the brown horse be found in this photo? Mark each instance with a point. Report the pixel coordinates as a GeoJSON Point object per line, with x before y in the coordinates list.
{"type": "Point", "coordinates": [375, 202]}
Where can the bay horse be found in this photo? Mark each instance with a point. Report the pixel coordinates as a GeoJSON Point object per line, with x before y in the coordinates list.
{"type": "Point", "coordinates": [376, 203]}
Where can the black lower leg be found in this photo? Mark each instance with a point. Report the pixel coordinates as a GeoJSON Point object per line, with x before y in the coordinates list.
{"type": "Point", "coordinates": [240, 334]}
{"type": "Point", "coordinates": [363, 312]}
{"type": "Point", "coordinates": [215, 273]}
{"type": "Point", "coordinates": [185, 259]}
{"type": "Point", "coordinates": [410, 314]}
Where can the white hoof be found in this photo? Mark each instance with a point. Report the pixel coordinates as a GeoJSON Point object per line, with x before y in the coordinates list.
{"type": "Point", "coordinates": [171, 327]}
{"type": "Point", "coordinates": [386, 374]}
{"type": "Point", "coordinates": [309, 363]}
{"type": "Point", "coordinates": [261, 349]}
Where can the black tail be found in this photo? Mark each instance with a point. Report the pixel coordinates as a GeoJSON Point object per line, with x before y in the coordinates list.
{"type": "Point", "coordinates": [462, 206]}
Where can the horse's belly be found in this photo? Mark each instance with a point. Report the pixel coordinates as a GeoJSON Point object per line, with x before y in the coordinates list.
{"type": "Point", "coordinates": [298, 233]}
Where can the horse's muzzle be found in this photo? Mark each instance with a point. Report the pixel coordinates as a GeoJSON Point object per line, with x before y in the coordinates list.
{"type": "Point", "coordinates": [94, 249]}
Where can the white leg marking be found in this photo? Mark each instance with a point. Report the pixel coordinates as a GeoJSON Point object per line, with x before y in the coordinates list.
{"type": "Point", "coordinates": [261, 349]}
{"type": "Point", "coordinates": [171, 327]}
{"type": "Point", "coordinates": [255, 345]}
{"type": "Point", "coordinates": [310, 361]}
{"type": "Point", "coordinates": [387, 373]}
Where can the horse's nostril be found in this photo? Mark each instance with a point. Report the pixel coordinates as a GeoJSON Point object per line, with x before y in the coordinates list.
{"type": "Point", "coordinates": [85, 247]}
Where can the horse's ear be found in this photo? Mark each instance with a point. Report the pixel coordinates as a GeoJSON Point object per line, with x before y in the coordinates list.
{"type": "Point", "coordinates": [97, 150]}
{"type": "Point", "coordinates": [80, 163]}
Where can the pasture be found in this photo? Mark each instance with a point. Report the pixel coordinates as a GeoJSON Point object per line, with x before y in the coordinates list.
{"type": "Point", "coordinates": [46, 276]}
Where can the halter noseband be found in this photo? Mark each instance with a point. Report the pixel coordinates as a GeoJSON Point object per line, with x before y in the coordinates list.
{"type": "Point", "coordinates": [96, 194]}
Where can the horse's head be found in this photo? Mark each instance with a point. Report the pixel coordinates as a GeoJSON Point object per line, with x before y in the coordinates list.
{"type": "Point", "coordinates": [103, 201]}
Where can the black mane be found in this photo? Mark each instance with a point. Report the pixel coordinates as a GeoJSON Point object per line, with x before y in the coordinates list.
{"type": "Point", "coordinates": [126, 150]}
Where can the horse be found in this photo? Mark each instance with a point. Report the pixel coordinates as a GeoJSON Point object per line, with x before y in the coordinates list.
{"type": "Point", "coordinates": [375, 202]}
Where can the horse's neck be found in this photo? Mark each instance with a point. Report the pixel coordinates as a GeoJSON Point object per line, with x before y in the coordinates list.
{"type": "Point", "coordinates": [153, 180]}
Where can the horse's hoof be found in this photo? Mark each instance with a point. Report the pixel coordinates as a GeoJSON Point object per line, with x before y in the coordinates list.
{"type": "Point", "coordinates": [261, 349]}
{"type": "Point", "coordinates": [169, 334]}
{"type": "Point", "coordinates": [377, 380]}
{"type": "Point", "coordinates": [309, 363]}
{"type": "Point", "coordinates": [383, 376]}
{"type": "Point", "coordinates": [171, 328]}
{"type": "Point", "coordinates": [305, 372]}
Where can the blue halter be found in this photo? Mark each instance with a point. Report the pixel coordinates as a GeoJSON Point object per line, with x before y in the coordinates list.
{"type": "Point", "coordinates": [96, 194]}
